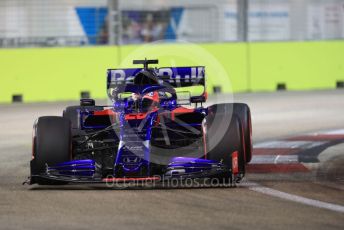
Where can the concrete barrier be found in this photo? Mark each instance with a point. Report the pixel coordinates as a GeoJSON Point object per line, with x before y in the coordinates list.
{"type": "Point", "coordinates": [299, 65]}
{"type": "Point", "coordinates": [51, 74]}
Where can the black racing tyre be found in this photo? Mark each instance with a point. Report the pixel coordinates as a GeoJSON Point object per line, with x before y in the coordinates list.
{"type": "Point", "coordinates": [243, 112]}
{"type": "Point", "coordinates": [72, 113]}
{"type": "Point", "coordinates": [224, 136]}
{"type": "Point", "coordinates": [51, 143]}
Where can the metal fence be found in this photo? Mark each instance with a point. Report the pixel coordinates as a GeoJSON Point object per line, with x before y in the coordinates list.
{"type": "Point", "coordinates": [26, 23]}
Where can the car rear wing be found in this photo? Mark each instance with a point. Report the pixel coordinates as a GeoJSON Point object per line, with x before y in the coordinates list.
{"type": "Point", "coordinates": [174, 76]}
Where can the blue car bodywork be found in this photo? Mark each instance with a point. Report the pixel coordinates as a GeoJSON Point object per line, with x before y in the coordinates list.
{"type": "Point", "coordinates": [133, 137]}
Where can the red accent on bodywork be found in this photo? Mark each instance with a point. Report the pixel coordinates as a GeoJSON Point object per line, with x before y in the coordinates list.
{"type": "Point", "coordinates": [139, 116]}
{"type": "Point", "coordinates": [108, 112]}
{"type": "Point", "coordinates": [235, 163]}
{"type": "Point", "coordinates": [183, 110]}
{"type": "Point", "coordinates": [135, 116]}
{"type": "Point", "coordinates": [124, 179]}
{"type": "Point", "coordinates": [180, 110]}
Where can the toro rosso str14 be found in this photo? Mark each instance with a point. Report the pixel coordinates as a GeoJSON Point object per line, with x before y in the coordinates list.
{"type": "Point", "coordinates": [156, 128]}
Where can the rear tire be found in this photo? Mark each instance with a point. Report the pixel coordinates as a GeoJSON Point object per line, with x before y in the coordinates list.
{"type": "Point", "coordinates": [51, 143]}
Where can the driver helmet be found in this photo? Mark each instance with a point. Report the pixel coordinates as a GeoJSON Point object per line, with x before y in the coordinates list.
{"type": "Point", "coordinates": [150, 100]}
{"type": "Point", "coordinates": [153, 96]}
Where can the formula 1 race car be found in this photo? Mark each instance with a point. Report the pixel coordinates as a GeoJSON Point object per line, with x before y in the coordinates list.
{"type": "Point", "coordinates": [155, 129]}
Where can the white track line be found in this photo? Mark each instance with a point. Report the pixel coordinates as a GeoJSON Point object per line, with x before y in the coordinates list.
{"type": "Point", "coordinates": [290, 158]}
{"type": "Point", "coordinates": [328, 132]}
{"type": "Point", "coordinates": [299, 199]}
{"type": "Point", "coordinates": [275, 159]}
{"type": "Point", "coordinates": [289, 144]}
{"type": "Point", "coordinates": [333, 132]}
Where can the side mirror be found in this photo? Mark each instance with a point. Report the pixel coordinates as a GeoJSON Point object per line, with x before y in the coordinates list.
{"type": "Point", "coordinates": [197, 99]}
{"type": "Point", "coordinates": [87, 102]}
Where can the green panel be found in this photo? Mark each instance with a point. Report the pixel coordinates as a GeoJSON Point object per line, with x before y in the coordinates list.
{"type": "Point", "coordinates": [50, 74]}
{"type": "Point", "coordinates": [301, 65]}
{"type": "Point", "coordinates": [225, 63]}
{"type": "Point", "coordinates": [233, 58]}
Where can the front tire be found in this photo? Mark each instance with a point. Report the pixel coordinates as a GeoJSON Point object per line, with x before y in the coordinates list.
{"type": "Point", "coordinates": [225, 140]}
{"type": "Point", "coordinates": [243, 112]}
{"type": "Point", "coordinates": [51, 143]}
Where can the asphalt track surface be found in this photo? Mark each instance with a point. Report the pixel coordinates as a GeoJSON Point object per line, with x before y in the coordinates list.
{"type": "Point", "coordinates": [275, 116]}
